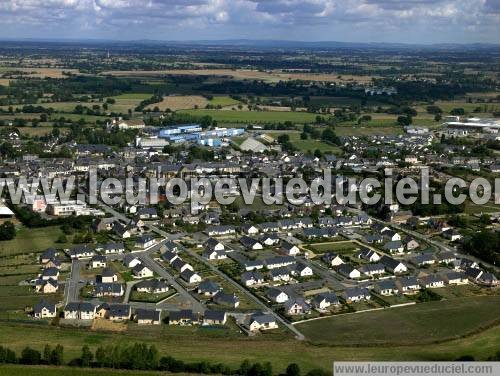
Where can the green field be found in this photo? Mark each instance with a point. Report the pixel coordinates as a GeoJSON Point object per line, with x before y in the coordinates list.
{"type": "Point", "coordinates": [308, 145]}
{"type": "Point", "coordinates": [14, 370]}
{"type": "Point", "coordinates": [338, 247]}
{"type": "Point", "coordinates": [139, 96]}
{"type": "Point", "coordinates": [223, 101]}
{"type": "Point", "coordinates": [421, 323]}
{"type": "Point", "coordinates": [232, 350]}
{"type": "Point", "coordinates": [346, 130]}
{"type": "Point", "coordinates": [231, 116]}
{"type": "Point", "coordinates": [31, 240]}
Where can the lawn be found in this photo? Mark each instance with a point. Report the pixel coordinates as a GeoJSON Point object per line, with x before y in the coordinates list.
{"type": "Point", "coordinates": [343, 130]}
{"type": "Point", "coordinates": [231, 351]}
{"type": "Point", "coordinates": [421, 323]}
{"type": "Point", "coordinates": [338, 247]}
{"type": "Point", "coordinates": [14, 370]}
{"type": "Point", "coordinates": [137, 96]}
{"type": "Point", "coordinates": [223, 101]}
{"type": "Point", "coordinates": [31, 240]}
{"type": "Point", "coordinates": [234, 116]}
{"type": "Point", "coordinates": [309, 145]}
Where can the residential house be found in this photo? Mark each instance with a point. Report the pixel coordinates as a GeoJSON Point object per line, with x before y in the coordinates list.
{"type": "Point", "coordinates": [142, 271]}
{"type": "Point", "coordinates": [47, 255]}
{"type": "Point", "coordinates": [407, 285]}
{"type": "Point", "coordinates": [190, 276]}
{"type": "Point", "coordinates": [130, 261]}
{"type": "Point", "coordinates": [356, 294]}
{"type": "Point", "coordinates": [394, 247]}
{"type": "Point", "coordinates": [368, 255]}
{"type": "Point", "coordinates": [148, 316]}
{"type": "Point", "coordinates": [452, 235]}
{"type": "Point", "coordinates": [289, 249]}
{"type": "Point", "coordinates": [371, 270]}
{"type": "Point", "coordinates": [81, 252]}
{"type": "Point", "coordinates": [270, 240]}
{"type": "Point", "coordinates": [49, 286]}
{"type": "Point", "coordinates": [252, 278]}
{"type": "Point", "coordinates": [456, 278]}
{"type": "Point", "coordinates": [214, 245]}
{"type": "Point", "coordinates": [229, 300]}
{"type": "Point", "coordinates": [97, 261]}
{"type": "Point", "coordinates": [184, 317]}
{"type": "Point", "coordinates": [214, 254]}
{"type": "Point", "coordinates": [332, 259]}
{"type": "Point", "coordinates": [302, 270]}
{"type": "Point", "coordinates": [260, 321]}
{"type": "Point", "coordinates": [279, 261]}
{"type": "Point", "coordinates": [145, 241]}
{"type": "Point", "coordinates": [431, 281]}
{"type": "Point", "coordinates": [108, 289]}
{"type": "Point", "coordinates": [386, 287]}
{"type": "Point", "coordinates": [280, 274]}
{"type": "Point", "coordinates": [181, 266]}
{"type": "Point", "coordinates": [208, 288]}
{"type": "Point", "coordinates": [79, 311]}
{"type": "Point", "coordinates": [249, 229]}
{"type": "Point", "coordinates": [212, 317]}
{"type": "Point", "coordinates": [423, 259]}
{"type": "Point", "coordinates": [152, 286]}
{"type": "Point", "coordinates": [297, 307]}
{"type": "Point", "coordinates": [348, 271]}
{"type": "Point", "coordinates": [392, 265]}
{"type": "Point", "coordinates": [119, 312]}
{"type": "Point", "coordinates": [325, 300]}
{"type": "Point", "coordinates": [250, 243]}
{"type": "Point", "coordinates": [44, 309]}
{"type": "Point", "coordinates": [277, 296]}
{"type": "Point", "coordinates": [108, 276]}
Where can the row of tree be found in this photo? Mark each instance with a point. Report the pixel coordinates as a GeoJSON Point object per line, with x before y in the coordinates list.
{"type": "Point", "coordinates": [140, 356]}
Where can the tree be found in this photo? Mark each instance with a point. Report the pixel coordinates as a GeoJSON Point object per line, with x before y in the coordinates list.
{"type": "Point", "coordinates": [293, 369]}
{"type": "Point", "coordinates": [30, 356]}
{"type": "Point", "coordinates": [434, 110]}
{"type": "Point", "coordinates": [56, 356]}
{"type": "Point", "coordinates": [457, 112]}
{"type": "Point", "coordinates": [404, 120]}
{"type": "Point", "coordinates": [304, 136]}
{"type": "Point", "coordinates": [7, 231]}
{"type": "Point", "coordinates": [330, 136]}
{"type": "Point", "coordinates": [87, 356]}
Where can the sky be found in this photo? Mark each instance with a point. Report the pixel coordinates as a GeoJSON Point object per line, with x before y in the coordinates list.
{"type": "Point", "coordinates": [402, 21]}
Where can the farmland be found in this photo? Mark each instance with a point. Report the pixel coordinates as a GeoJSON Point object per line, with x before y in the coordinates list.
{"type": "Point", "coordinates": [234, 116]}
{"type": "Point", "coordinates": [410, 325]}
{"type": "Point", "coordinates": [31, 240]}
{"type": "Point", "coordinates": [180, 346]}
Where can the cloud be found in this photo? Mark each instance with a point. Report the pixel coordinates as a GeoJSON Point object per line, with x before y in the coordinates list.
{"type": "Point", "coordinates": [300, 19]}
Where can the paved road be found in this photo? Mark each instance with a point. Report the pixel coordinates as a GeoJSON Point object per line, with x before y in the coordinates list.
{"type": "Point", "coordinates": [72, 289]}
{"type": "Point", "coordinates": [160, 270]}
{"type": "Point", "coordinates": [425, 238]}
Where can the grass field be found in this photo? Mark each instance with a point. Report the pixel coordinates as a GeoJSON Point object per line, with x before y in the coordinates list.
{"type": "Point", "coordinates": [338, 247]}
{"type": "Point", "coordinates": [343, 130]}
{"type": "Point", "coordinates": [279, 351]}
{"type": "Point", "coordinates": [309, 144]}
{"type": "Point", "coordinates": [14, 370]}
{"type": "Point", "coordinates": [180, 102]}
{"type": "Point", "coordinates": [223, 101]}
{"type": "Point", "coordinates": [31, 240]}
{"type": "Point", "coordinates": [136, 96]}
{"type": "Point", "coordinates": [247, 74]}
{"type": "Point", "coordinates": [421, 323]}
{"type": "Point", "coordinates": [231, 116]}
